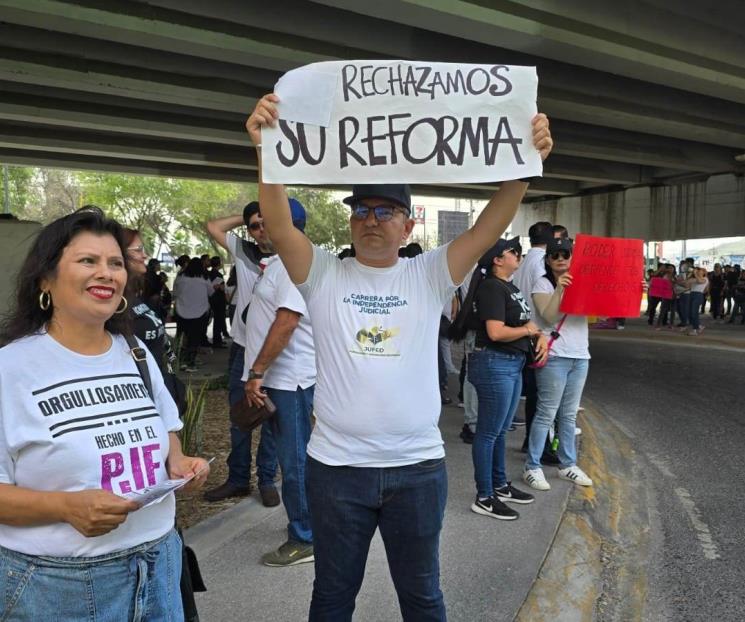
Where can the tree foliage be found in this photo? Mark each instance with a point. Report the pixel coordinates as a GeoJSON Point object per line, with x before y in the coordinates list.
{"type": "Point", "coordinates": [327, 219]}
{"type": "Point", "coordinates": [170, 213]}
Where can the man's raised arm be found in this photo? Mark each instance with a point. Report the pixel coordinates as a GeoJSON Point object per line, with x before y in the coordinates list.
{"type": "Point", "coordinates": [465, 250]}
{"type": "Point", "coordinates": [218, 227]}
{"type": "Point", "coordinates": [295, 250]}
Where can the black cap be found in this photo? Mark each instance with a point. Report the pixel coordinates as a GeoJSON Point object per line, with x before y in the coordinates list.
{"type": "Point", "coordinates": [559, 244]}
{"type": "Point", "coordinates": [396, 193]}
{"type": "Point", "coordinates": [502, 245]}
{"type": "Point", "coordinates": [250, 209]}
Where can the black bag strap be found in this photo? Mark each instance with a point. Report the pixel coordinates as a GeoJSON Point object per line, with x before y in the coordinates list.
{"type": "Point", "coordinates": [140, 358]}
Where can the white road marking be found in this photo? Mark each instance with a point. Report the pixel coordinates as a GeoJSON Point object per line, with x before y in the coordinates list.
{"type": "Point", "coordinates": [624, 429]}
{"type": "Point", "coordinates": [662, 465]}
{"type": "Point", "coordinates": [702, 529]}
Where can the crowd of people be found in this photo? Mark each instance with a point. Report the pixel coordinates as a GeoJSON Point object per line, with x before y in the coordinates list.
{"type": "Point", "coordinates": [311, 334]}
{"type": "Point", "coordinates": [685, 291]}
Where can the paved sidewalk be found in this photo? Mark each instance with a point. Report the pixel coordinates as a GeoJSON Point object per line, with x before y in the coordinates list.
{"type": "Point", "coordinates": [488, 566]}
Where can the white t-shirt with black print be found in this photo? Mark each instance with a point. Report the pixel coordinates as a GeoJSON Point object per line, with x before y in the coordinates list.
{"type": "Point", "coordinates": [246, 274]}
{"type": "Point", "coordinates": [377, 399]}
{"type": "Point", "coordinates": [71, 422]}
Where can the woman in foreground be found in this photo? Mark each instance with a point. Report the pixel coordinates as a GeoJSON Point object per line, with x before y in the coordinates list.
{"type": "Point", "coordinates": [80, 436]}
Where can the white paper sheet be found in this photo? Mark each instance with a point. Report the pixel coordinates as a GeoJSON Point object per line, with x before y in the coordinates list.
{"type": "Point", "coordinates": [306, 96]}
{"type": "Point", "coordinates": [403, 122]}
{"type": "Point", "coordinates": [155, 494]}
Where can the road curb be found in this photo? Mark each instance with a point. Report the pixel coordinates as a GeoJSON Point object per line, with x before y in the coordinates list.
{"type": "Point", "coordinates": [214, 532]}
{"type": "Point", "coordinates": [595, 567]}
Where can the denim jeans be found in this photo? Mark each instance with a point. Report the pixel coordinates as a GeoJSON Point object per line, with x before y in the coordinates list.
{"type": "Point", "coordinates": [738, 307]}
{"type": "Point", "coordinates": [497, 377]}
{"type": "Point", "coordinates": [239, 459]}
{"type": "Point", "coordinates": [470, 399]}
{"type": "Point", "coordinates": [139, 584]}
{"type": "Point", "coordinates": [694, 309]}
{"type": "Point", "coordinates": [560, 383]}
{"type": "Point", "coordinates": [684, 308]}
{"type": "Point", "coordinates": [347, 504]}
{"type": "Point", "coordinates": [291, 430]}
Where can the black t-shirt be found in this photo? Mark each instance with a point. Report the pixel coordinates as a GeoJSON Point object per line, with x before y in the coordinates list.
{"type": "Point", "coordinates": [218, 298]}
{"type": "Point", "coordinates": [716, 281]}
{"type": "Point", "coordinates": [149, 329]}
{"type": "Point", "coordinates": [500, 300]}
{"type": "Point", "coordinates": [732, 278]}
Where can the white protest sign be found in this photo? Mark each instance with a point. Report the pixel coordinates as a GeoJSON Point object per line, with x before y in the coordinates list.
{"type": "Point", "coordinates": [402, 122]}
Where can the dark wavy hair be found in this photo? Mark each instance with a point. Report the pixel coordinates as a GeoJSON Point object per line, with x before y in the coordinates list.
{"type": "Point", "coordinates": [135, 282]}
{"type": "Point", "coordinates": [26, 317]}
{"type": "Point", "coordinates": [467, 318]}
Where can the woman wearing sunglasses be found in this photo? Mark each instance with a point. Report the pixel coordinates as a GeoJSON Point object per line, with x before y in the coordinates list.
{"type": "Point", "coordinates": [504, 337]}
{"type": "Point", "coordinates": [561, 381]}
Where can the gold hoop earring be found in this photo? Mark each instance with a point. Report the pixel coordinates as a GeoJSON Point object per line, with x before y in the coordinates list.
{"type": "Point", "coordinates": [45, 300]}
{"type": "Point", "coordinates": [124, 308]}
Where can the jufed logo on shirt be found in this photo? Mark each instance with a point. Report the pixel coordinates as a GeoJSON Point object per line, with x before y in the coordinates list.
{"type": "Point", "coordinates": [375, 341]}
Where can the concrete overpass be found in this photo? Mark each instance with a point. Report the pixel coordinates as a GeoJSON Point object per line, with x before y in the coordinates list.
{"type": "Point", "coordinates": [643, 95]}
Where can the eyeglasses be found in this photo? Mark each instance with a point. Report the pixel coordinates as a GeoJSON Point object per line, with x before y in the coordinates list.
{"type": "Point", "coordinates": [383, 212]}
{"type": "Point", "coordinates": [560, 254]}
{"type": "Point", "coordinates": [514, 251]}
{"type": "Point", "coordinates": [136, 249]}
{"type": "Point", "coordinates": [255, 226]}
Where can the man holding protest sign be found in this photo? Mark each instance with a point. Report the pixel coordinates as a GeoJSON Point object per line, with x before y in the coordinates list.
{"type": "Point", "coordinates": [376, 458]}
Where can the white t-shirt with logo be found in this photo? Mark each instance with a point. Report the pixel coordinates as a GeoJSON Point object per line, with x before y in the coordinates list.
{"type": "Point", "coordinates": [377, 399]}
{"type": "Point", "coordinates": [574, 342]}
{"type": "Point", "coordinates": [70, 422]}
{"type": "Point", "coordinates": [296, 364]}
{"type": "Point", "coordinates": [246, 274]}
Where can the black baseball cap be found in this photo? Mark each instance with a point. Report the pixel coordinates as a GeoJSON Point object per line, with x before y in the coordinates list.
{"type": "Point", "coordinates": [395, 193]}
{"type": "Point", "coordinates": [559, 244]}
{"type": "Point", "coordinates": [502, 245]}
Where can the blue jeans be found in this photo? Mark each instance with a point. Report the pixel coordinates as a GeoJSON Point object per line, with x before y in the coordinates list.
{"type": "Point", "coordinates": [347, 504]}
{"type": "Point", "coordinates": [498, 379]}
{"type": "Point", "coordinates": [239, 459]}
{"type": "Point", "coordinates": [291, 429]}
{"type": "Point", "coordinates": [684, 308]}
{"type": "Point", "coordinates": [141, 583]}
{"type": "Point", "coordinates": [470, 398]}
{"type": "Point", "coordinates": [694, 309]}
{"type": "Point", "coordinates": [560, 384]}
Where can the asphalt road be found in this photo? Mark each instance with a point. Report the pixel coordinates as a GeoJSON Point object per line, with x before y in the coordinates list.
{"type": "Point", "coordinates": [682, 408]}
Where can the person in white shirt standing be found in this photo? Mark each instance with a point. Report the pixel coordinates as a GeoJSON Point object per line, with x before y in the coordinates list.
{"type": "Point", "coordinates": [248, 258]}
{"type": "Point", "coordinates": [280, 363]}
{"type": "Point", "coordinates": [376, 458]}
{"type": "Point", "coordinates": [532, 268]}
{"type": "Point", "coordinates": [193, 292]}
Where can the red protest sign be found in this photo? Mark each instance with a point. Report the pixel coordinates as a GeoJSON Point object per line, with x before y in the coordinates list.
{"type": "Point", "coordinates": [607, 277]}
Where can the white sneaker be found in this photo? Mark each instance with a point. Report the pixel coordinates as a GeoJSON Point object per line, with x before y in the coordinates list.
{"type": "Point", "coordinates": [535, 479]}
{"type": "Point", "coordinates": [577, 431]}
{"type": "Point", "coordinates": [576, 475]}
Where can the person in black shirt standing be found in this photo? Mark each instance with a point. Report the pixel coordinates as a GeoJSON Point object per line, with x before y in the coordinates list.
{"type": "Point", "coordinates": [716, 287]}
{"type": "Point", "coordinates": [731, 276]}
{"type": "Point", "coordinates": [504, 338]}
{"type": "Point", "coordinates": [218, 303]}
{"type": "Point", "coordinates": [147, 324]}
